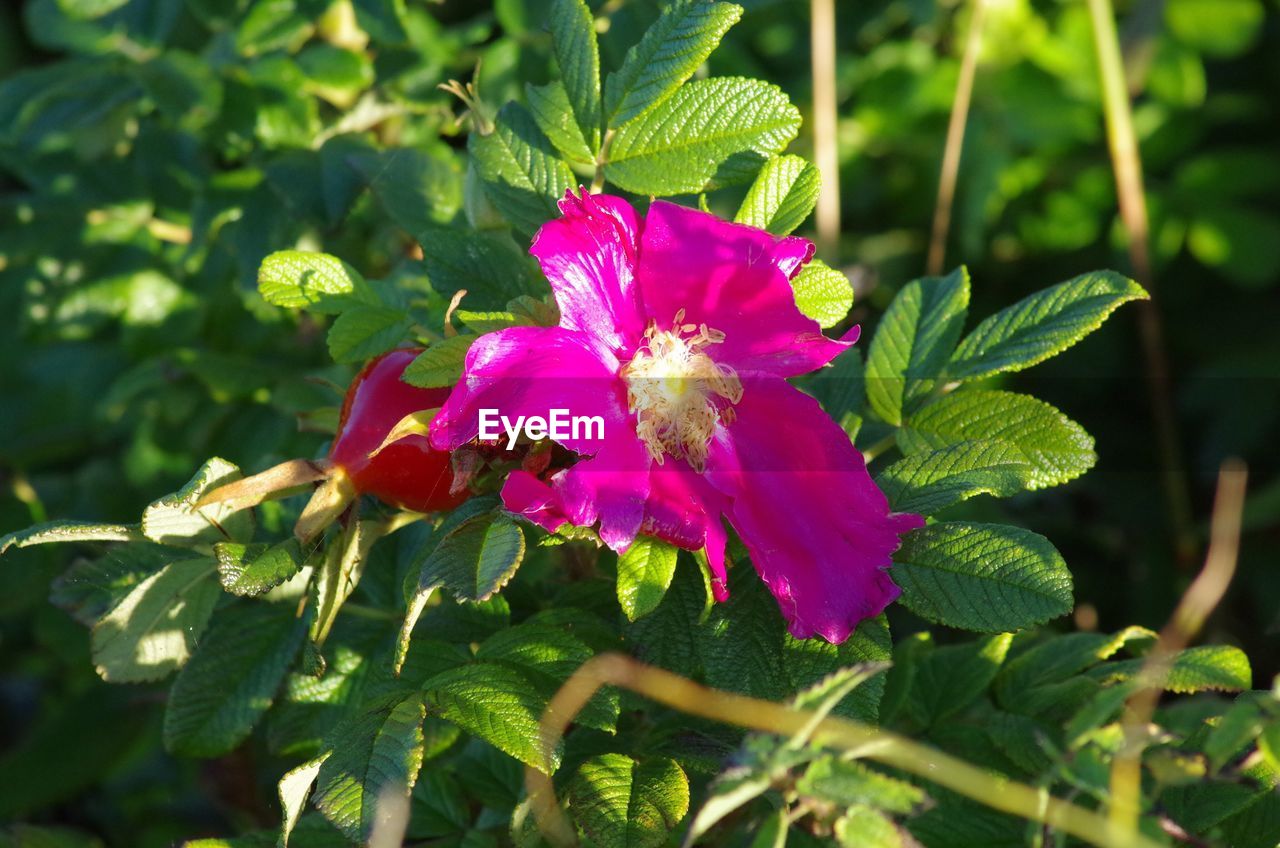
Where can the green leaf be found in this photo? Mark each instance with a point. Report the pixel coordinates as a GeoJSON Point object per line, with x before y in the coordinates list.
{"type": "Point", "coordinates": [985, 577]}
{"type": "Point", "coordinates": [521, 174]}
{"type": "Point", "coordinates": [317, 282]}
{"type": "Point", "coordinates": [89, 9]}
{"type": "Point", "coordinates": [547, 655]}
{"type": "Point", "coordinates": [573, 40]}
{"type": "Point", "coordinates": [1042, 325]}
{"type": "Point", "coordinates": [848, 782]}
{"type": "Point", "coordinates": [232, 678]}
{"type": "Point", "coordinates": [783, 195]}
{"type": "Point", "coordinates": [822, 293]}
{"type": "Point", "coordinates": [70, 531]}
{"type": "Point", "coordinates": [1269, 744]}
{"type": "Point", "coordinates": [1221, 668]}
{"type": "Point", "coordinates": [473, 561]}
{"type": "Point", "coordinates": [554, 115]}
{"type": "Point", "coordinates": [249, 570]}
{"type": "Point", "coordinates": [366, 331]}
{"type": "Point", "coordinates": [621, 803]}
{"type": "Point", "coordinates": [294, 789]}
{"type": "Point", "coordinates": [490, 266]}
{"type": "Point", "coordinates": [1058, 448]}
{"type": "Point", "coordinates": [644, 575]}
{"type": "Point", "coordinates": [376, 756]}
{"type": "Point", "coordinates": [915, 339]}
{"type": "Point", "coordinates": [336, 577]}
{"type": "Point", "coordinates": [927, 483]}
{"type": "Point", "coordinates": [440, 365]}
{"type": "Point", "coordinates": [154, 629]}
{"type": "Point", "coordinates": [175, 519]}
{"type": "Point", "coordinates": [865, 827]}
{"type": "Point", "coordinates": [951, 678]}
{"type": "Point", "coordinates": [681, 145]}
{"type": "Point", "coordinates": [496, 703]}
{"type": "Point", "coordinates": [669, 52]}
{"type": "Point", "coordinates": [840, 388]}
{"type": "Point", "coordinates": [1215, 27]}
{"type": "Point", "coordinates": [418, 190]}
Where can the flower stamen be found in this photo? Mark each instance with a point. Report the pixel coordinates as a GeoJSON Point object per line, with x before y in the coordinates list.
{"type": "Point", "coordinates": [679, 393]}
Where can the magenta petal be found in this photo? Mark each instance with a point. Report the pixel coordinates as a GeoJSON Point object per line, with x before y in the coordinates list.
{"type": "Point", "coordinates": [610, 487]}
{"type": "Point", "coordinates": [735, 279]}
{"type": "Point", "coordinates": [684, 509]}
{"type": "Point", "coordinates": [526, 496]}
{"type": "Point", "coordinates": [523, 371]}
{"type": "Point", "coordinates": [589, 257]}
{"type": "Point", "coordinates": [818, 529]}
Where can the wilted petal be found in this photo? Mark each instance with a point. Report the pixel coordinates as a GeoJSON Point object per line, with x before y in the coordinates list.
{"type": "Point", "coordinates": [735, 279]}
{"type": "Point", "coordinates": [589, 257]}
{"type": "Point", "coordinates": [523, 371]}
{"type": "Point", "coordinates": [818, 529]}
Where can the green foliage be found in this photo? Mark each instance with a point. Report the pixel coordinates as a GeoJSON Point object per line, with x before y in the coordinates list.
{"type": "Point", "coordinates": [782, 197]}
{"type": "Point", "coordinates": [644, 575]}
{"type": "Point", "coordinates": [628, 804]}
{"type": "Point", "coordinates": [822, 293]}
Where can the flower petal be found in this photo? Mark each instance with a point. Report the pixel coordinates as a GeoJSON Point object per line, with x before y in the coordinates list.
{"type": "Point", "coordinates": [684, 509]}
{"type": "Point", "coordinates": [589, 257]}
{"type": "Point", "coordinates": [818, 529]}
{"type": "Point", "coordinates": [735, 279]}
{"type": "Point", "coordinates": [523, 371]}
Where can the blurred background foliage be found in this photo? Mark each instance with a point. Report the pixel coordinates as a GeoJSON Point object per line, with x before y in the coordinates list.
{"type": "Point", "coordinates": [153, 151]}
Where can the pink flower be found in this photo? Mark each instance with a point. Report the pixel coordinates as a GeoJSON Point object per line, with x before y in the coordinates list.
{"type": "Point", "coordinates": [679, 331]}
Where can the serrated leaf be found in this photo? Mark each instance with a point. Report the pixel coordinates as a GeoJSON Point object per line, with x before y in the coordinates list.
{"type": "Point", "coordinates": [318, 282]}
{"type": "Point", "coordinates": [669, 52]}
{"type": "Point", "coordinates": [783, 195]}
{"type": "Point", "coordinates": [681, 145]}
{"type": "Point", "coordinates": [914, 341]}
{"type": "Point", "coordinates": [376, 754]}
{"type": "Point", "coordinates": [154, 629]}
{"type": "Point", "coordinates": [864, 827]}
{"type": "Point", "coordinates": [440, 365]}
{"type": "Point", "coordinates": [1042, 325]}
{"type": "Point", "coordinates": [951, 678]}
{"type": "Point", "coordinates": [1222, 668]}
{"type": "Point", "coordinates": [644, 575]}
{"type": "Point", "coordinates": [927, 483]}
{"type": "Point", "coordinates": [1058, 448]}
{"type": "Point", "coordinates": [621, 803]}
{"type": "Point", "coordinates": [70, 531]}
{"type": "Point", "coordinates": [548, 655]}
{"type": "Point", "coordinates": [553, 113]}
{"type": "Point", "coordinates": [176, 520]}
{"type": "Point", "coordinates": [986, 577]}
{"type": "Point", "coordinates": [249, 570]}
{"type": "Point", "coordinates": [822, 293]}
{"type": "Point", "coordinates": [473, 561]}
{"type": "Point", "coordinates": [499, 705]}
{"type": "Point", "coordinates": [293, 790]}
{"type": "Point", "coordinates": [415, 188]}
{"type": "Point", "coordinates": [336, 578]}
{"type": "Point", "coordinates": [231, 679]}
{"type": "Point", "coordinates": [490, 266]}
{"type": "Point", "coordinates": [848, 782]}
{"type": "Point", "coordinates": [573, 40]}
{"type": "Point", "coordinates": [521, 174]}
{"type": "Point", "coordinates": [364, 332]}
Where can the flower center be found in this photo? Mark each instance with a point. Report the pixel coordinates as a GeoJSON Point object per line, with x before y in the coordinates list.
{"type": "Point", "coordinates": [679, 393]}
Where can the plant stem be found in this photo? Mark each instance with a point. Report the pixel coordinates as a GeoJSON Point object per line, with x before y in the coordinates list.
{"type": "Point", "coordinates": [1127, 165]}
{"type": "Point", "coordinates": [993, 790]}
{"type": "Point", "coordinates": [955, 141]}
{"type": "Point", "coordinates": [1200, 599]}
{"type": "Point", "coordinates": [826, 154]}
{"type": "Point", "coordinates": [602, 159]}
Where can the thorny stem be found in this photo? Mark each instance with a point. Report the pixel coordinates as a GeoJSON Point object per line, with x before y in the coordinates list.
{"type": "Point", "coordinates": [992, 790]}
{"type": "Point", "coordinates": [955, 141]}
{"type": "Point", "coordinates": [1202, 596]}
{"type": "Point", "coordinates": [822, 36]}
{"type": "Point", "coordinates": [1127, 165]}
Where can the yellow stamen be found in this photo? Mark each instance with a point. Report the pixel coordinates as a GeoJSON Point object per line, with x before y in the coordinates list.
{"type": "Point", "coordinates": [678, 392]}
